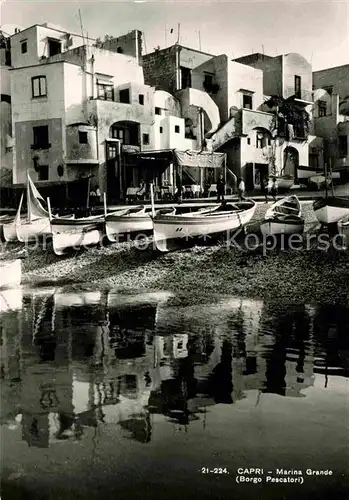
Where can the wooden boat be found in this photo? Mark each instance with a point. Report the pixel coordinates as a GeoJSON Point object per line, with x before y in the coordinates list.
{"type": "Point", "coordinates": [10, 273]}
{"type": "Point", "coordinates": [37, 224]}
{"type": "Point", "coordinates": [9, 228]}
{"type": "Point", "coordinates": [5, 220]}
{"type": "Point", "coordinates": [284, 182]}
{"type": "Point", "coordinates": [283, 217]}
{"type": "Point", "coordinates": [131, 220]}
{"type": "Point", "coordinates": [331, 209]}
{"type": "Point", "coordinates": [71, 233]}
{"type": "Point", "coordinates": [170, 228]}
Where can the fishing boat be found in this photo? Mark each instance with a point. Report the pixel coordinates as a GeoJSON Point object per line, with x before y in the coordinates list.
{"type": "Point", "coordinates": [9, 228]}
{"type": "Point", "coordinates": [330, 209]}
{"type": "Point", "coordinates": [33, 225]}
{"type": "Point", "coordinates": [283, 217]}
{"type": "Point", "coordinates": [170, 228]}
{"type": "Point", "coordinates": [131, 220]}
{"type": "Point", "coordinates": [75, 233]}
{"type": "Point", "coordinates": [4, 219]}
{"type": "Point", "coordinates": [10, 273]}
{"type": "Point", "coordinates": [284, 182]}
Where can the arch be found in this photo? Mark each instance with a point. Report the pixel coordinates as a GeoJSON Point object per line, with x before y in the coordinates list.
{"type": "Point", "coordinates": [262, 137]}
{"type": "Point", "coordinates": [126, 131]}
{"type": "Point", "coordinates": [291, 161]}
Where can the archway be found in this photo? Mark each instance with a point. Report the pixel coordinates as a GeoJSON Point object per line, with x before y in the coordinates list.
{"type": "Point", "coordinates": [291, 162]}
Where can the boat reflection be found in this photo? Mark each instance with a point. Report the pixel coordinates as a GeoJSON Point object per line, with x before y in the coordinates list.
{"type": "Point", "coordinates": [70, 362]}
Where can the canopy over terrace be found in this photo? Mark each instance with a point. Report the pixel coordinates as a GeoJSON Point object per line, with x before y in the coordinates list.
{"type": "Point", "coordinates": [163, 165]}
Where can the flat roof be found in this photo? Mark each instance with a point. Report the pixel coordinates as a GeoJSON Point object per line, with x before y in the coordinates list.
{"type": "Point", "coordinates": [182, 47]}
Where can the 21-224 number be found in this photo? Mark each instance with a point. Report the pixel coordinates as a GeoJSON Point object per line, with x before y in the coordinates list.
{"type": "Point", "coordinates": [216, 470]}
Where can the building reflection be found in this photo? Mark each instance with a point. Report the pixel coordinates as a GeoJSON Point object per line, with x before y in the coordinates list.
{"type": "Point", "coordinates": [72, 362]}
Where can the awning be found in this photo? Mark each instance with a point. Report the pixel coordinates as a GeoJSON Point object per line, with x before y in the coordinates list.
{"type": "Point", "coordinates": [188, 158]}
{"type": "Point", "coordinates": [201, 159]}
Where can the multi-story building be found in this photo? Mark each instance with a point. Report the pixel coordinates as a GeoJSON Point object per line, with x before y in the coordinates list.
{"type": "Point", "coordinates": [6, 141]}
{"type": "Point", "coordinates": [256, 136]}
{"type": "Point", "coordinates": [287, 86]}
{"type": "Point", "coordinates": [331, 115]}
{"type": "Point", "coordinates": [81, 109]}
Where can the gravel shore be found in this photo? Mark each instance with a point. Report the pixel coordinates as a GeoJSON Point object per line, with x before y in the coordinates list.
{"type": "Point", "coordinates": [200, 273]}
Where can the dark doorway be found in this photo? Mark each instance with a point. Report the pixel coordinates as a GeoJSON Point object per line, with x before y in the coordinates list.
{"type": "Point", "coordinates": [291, 162]}
{"type": "Point", "coordinates": [113, 172]}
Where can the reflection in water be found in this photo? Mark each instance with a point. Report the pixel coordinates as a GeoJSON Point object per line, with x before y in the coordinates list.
{"type": "Point", "coordinates": [73, 361]}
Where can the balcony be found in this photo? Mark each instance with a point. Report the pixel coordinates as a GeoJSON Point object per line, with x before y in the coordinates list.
{"type": "Point", "coordinates": [241, 124]}
{"type": "Point", "coordinates": [255, 119]}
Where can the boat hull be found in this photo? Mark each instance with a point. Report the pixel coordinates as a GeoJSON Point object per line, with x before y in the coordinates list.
{"type": "Point", "coordinates": [278, 227]}
{"type": "Point", "coordinates": [114, 225]}
{"type": "Point", "coordinates": [10, 273]}
{"type": "Point", "coordinates": [32, 231]}
{"type": "Point", "coordinates": [284, 183]}
{"type": "Point", "coordinates": [283, 217]}
{"type": "Point", "coordinates": [9, 232]}
{"type": "Point", "coordinates": [343, 229]}
{"type": "Point", "coordinates": [73, 234]}
{"type": "Point", "coordinates": [169, 230]}
{"type": "Point", "coordinates": [331, 210]}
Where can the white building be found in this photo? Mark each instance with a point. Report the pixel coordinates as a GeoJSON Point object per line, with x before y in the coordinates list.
{"type": "Point", "coordinates": [80, 108]}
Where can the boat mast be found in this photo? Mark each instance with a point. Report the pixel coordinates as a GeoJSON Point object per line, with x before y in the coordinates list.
{"type": "Point", "coordinates": [28, 199]}
{"type": "Point", "coordinates": [331, 176]}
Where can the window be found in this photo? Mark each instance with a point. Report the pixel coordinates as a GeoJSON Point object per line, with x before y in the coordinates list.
{"type": "Point", "coordinates": [248, 141]}
{"type": "Point", "coordinates": [41, 139]}
{"type": "Point", "coordinates": [105, 92]}
{"type": "Point", "coordinates": [39, 86]}
{"type": "Point", "coordinates": [43, 173]}
{"type": "Point", "coordinates": [269, 141]}
{"type": "Point", "coordinates": [112, 151]}
{"type": "Point", "coordinates": [177, 129]}
{"type": "Point", "coordinates": [54, 47]}
{"type": "Point", "coordinates": [185, 78]}
{"type": "Point", "coordinates": [343, 146]}
{"type": "Point", "coordinates": [145, 139]}
{"type": "Point", "coordinates": [118, 133]}
{"type": "Point", "coordinates": [5, 98]}
{"type": "Point", "coordinates": [161, 130]}
{"type": "Point", "coordinates": [83, 137]}
{"type": "Point", "coordinates": [125, 96]}
{"type": "Point", "coordinates": [24, 47]}
{"type": "Point", "coordinates": [141, 99]}
{"type": "Point", "coordinates": [247, 101]}
{"type": "Point", "coordinates": [208, 80]}
{"type": "Point", "coordinates": [322, 108]}
{"type": "Point", "coordinates": [158, 111]}
{"type": "Point", "coordinates": [298, 86]}
{"type": "Point", "coordinates": [259, 140]}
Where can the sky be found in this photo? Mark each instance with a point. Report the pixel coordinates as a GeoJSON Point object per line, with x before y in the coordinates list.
{"type": "Point", "coordinates": [319, 30]}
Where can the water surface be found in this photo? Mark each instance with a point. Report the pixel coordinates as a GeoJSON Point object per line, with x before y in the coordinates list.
{"type": "Point", "coordinates": [111, 396]}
